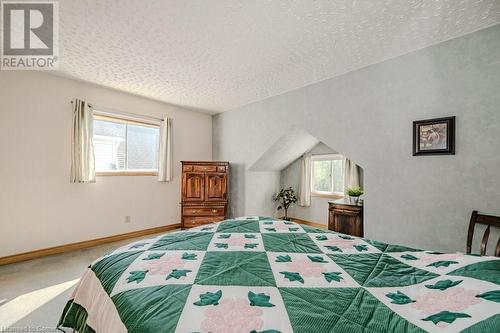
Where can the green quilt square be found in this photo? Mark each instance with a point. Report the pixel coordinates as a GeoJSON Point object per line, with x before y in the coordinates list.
{"type": "Point", "coordinates": [375, 270]}
{"type": "Point", "coordinates": [484, 270]}
{"type": "Point", "coordinates": [288, 242]}
{"type": "Point", "coordinates": [109, 269]}
{"type": "Point", "coordinates": [239, 226]}
{"type": "Point", "coordinates": [235, 269]}
{"type": "Point", "coordinates": [367, 314]}
{"type": "Point", "coordinates": [314, 230]}
{"type": "Point", "coordinates": [316, 309]}
{"type": "Point", "coordinates": [197, 241]}
{"type": "Point", "coordinates": [164, 306]}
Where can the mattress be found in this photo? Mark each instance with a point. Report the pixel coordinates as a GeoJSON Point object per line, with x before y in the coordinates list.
{"type": "Point", "coordinates": [262, 275]}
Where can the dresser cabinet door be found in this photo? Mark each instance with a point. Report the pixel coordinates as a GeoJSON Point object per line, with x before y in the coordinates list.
{"type": "Point", "coordinates": [215, 187]}
{"type": "Point", "coordinates": [193, 186]}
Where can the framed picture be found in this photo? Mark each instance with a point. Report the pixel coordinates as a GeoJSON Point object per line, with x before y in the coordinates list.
{"type": "Point", "coordinates": [434, 136]}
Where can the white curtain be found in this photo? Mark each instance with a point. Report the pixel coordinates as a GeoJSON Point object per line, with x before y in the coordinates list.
{"type": "Point", "coordinates": [353, 175]}
{"type": "Point", "coordinates": [165, 163]}
{"type": "Point", "coordinates": [82, 143]}
{"type": "Point", "coordinates": [305, 181]}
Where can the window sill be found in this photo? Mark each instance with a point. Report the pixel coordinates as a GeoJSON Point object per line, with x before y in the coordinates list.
{"type": "Point", "coordinates": [126, 173]}
{"type": "Point", "coordinates": [328, 196]}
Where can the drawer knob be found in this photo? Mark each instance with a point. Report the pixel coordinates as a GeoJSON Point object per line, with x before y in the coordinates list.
{"type": "Point", "coordinates": [214, 210]}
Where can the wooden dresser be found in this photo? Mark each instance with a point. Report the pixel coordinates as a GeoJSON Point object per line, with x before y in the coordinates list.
{"type": "Point", "coordinates": [204, 190]}
{"type": "Point", "coordinates": [345, 217]}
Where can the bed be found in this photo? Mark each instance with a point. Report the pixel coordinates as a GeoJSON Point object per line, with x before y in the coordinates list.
{"type": "Point", "coordinates": [262, 275]}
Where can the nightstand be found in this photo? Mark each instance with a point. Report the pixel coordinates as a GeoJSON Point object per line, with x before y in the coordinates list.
{"type": "Point", "coordinates": [345, 217]}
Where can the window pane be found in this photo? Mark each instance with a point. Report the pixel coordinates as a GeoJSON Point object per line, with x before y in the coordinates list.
{"type": "Point", "coordinates": [109, 145]}
{"type": "Point", "coordinates": [338, 176]}
{"type": "Point", "coordinates": [142, 147]}
{"type": "Point", "coordinates": [322, 178]}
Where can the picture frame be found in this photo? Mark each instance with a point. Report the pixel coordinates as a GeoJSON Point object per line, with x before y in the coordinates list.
{"type": "Point", "coordinates": [434, 136]}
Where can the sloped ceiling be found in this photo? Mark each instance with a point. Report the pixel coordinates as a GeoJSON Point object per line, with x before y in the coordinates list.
{"type": "Point", "coordinates": [284, 151]}
{"type": "Point", "coordinates": [218, 55]}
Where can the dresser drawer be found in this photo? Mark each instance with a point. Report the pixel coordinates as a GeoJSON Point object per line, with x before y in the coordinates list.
{"type": "Point", "coordinates": [204, 168]}
{"type": "Point", "coordinates": [203, 211]}
{"type": "Point", "coordinates": [190, 222]}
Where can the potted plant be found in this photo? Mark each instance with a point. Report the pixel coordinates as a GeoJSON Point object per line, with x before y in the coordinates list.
{"type": "Point", "coordinates": [354, 193]}
{"type": "Point", "coordinates": [286, 198]}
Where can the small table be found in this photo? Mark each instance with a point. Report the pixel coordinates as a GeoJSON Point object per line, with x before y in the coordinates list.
{"type": "Point", "coordinates": [345, 217]}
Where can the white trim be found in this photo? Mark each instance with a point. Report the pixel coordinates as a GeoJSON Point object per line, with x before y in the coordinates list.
{"type": "Point", "coordinates": [326, 157]}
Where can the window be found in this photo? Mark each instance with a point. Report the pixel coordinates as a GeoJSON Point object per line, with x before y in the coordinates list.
{"type": "Point", "coordinates": [327, 175]}
{"type": "Point", "coordinates": [124, 146]}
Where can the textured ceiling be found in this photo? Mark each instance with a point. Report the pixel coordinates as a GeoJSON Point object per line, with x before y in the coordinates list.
{"type": "Point", "coordinates": [220, 54]}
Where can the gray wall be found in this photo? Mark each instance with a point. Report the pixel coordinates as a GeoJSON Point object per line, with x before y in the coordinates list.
{"type": "Point", "coordinates": [290, 176]}
{"type": "Point", "coordinates": [367, 115]}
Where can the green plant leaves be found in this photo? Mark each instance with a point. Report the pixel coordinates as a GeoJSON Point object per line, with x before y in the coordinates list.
{"type": "Point", "coordinates": [138, 245]}
{"type": "Point", "coordinates": [442, 263]}
{"type": "Point", "coordinates": [399, 298]}
{"type": "Point", "coordinates": [319, 259]}
{"type": "Point", "coordinates": [443, 284]}
{"type": "Point", "coordinates": [137, 276]}
{"type": "Point", "coordinates": [333, 276]}
{"type": "Point", "coordinates": [221, 245]}
{"type": "Point", "coordinates": [345, 237]}
{"type": "Point", "coordinates": [250, 236]}
{"type": "Point", "coordinates": [293, 276]}
{"type": "Point", "coordinates": [491, 296]}
{"type": "Point", "coordinates": [178, 273]}
{"type": "Point", "coordinates": [321, 237]}
{"type": "Point", "coordinates": [224, 236]}
{"type": "Point", "coordinates": [209, 298]}
{"type": "Point", "coordinates": [189, 256]}
{"type": "Point", "coordinates": [251, 245]}
{"type": "Point", "coordinates": [153, 256]}
{"type": "Point", "coordinates": [285, 258]}
{"type": "Point", "coordinates": [409, 257]}
{"type": "Point", "coordinates": [446, 316]}
{"type": "Point", "coordinates": [259, 299]}
{"type": "Point", "coordinates": [333, 248]}
{"type": "Point", "coordinates": [361, 248]}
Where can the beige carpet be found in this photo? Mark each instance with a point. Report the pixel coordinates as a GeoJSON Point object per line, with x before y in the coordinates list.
{"type": "Point", "coordinates": [33, 293]}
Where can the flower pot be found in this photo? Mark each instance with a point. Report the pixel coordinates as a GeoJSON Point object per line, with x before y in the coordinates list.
{"type": "Point", "coordinates": [354, 200]}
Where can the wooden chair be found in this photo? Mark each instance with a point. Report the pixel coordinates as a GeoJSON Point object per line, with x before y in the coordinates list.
{"type": "Point", "coordinates": [489, 221]}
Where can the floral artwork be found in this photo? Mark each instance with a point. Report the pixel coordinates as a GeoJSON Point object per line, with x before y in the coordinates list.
{"type": "Point", "coordinates": [434, 136]}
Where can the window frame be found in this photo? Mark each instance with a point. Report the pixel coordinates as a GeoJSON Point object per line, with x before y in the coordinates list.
{"type": "Point", "coordinates": [126, 121]}
{"type": "Point", "coordinates": [326, 194]}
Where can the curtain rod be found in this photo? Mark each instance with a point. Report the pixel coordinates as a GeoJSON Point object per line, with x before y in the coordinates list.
{"type": "Point", "coordinates": [122, 113]}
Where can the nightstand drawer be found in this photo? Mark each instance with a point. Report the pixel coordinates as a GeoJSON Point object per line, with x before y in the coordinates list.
{"type": "Point", "coordinates": [190, 222]}
{"type": "Point", "coordinates": [203, 211]}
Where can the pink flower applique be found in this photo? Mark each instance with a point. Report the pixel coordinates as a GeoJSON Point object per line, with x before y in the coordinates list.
{"type": "Point", "coordinates": [340, 242]}
{"type": "Point", "coordinates": [453, 299]}
{"type": "Point", "coordinates": [305, 267]}
{"type": "Point", "coordinates": [429, 258]}
{"type": "Point", "coordinates": [165, 264]}
{"type": "Point", "coordinates": [282, 226]}
{"type": "Point", "coordinates": [236, 240]}
{"type": "Point", "coordinates": [231, 316]}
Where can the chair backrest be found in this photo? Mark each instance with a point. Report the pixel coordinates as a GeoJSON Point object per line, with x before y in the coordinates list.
{"type": "Point", "coordinates": [489, 221]}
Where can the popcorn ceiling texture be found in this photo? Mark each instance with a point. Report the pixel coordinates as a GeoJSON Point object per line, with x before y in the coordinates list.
{"type": "Point", "coordinates": [219, 55]}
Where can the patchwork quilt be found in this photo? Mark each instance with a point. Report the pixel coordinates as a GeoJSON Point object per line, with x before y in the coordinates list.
{"type": "Point", "coordinates": [261, 275]}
